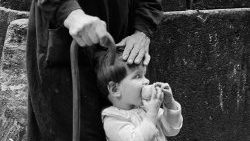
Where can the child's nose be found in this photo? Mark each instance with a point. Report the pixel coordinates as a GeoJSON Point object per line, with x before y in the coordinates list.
{"type": "Point", "coordinates": [145, 81]}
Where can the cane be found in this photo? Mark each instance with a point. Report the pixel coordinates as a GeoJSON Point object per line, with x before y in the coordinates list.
{"type": "Point", "coordinates": [76, 90]}
{"type": "Point", "coordinates": [107, 42]}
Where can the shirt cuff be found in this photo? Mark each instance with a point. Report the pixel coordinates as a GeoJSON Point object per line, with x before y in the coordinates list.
{"type": "Point", "coordinates": [174, 117]}
{"type": "Point", "coordinates": [65, 9]}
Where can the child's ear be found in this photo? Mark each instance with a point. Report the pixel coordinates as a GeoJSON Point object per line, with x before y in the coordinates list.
{"type": "Point", "coordinates": [113, 88]}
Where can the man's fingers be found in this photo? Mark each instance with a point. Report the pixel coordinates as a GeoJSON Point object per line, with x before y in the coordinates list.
{"type": "Point", "coordinates": [79, 41]}
{"type": "Point", "coordinates": [134, 52]}
{"type": "Point", "coordinates": [122, 43]}
{"type": "Point", "coordinates": [138, 52]}
{"type": "Point", "coordinates": [146, 59]}
{"type": "Point", "coordinates": [94, 38]}
{"type": "Point", "coordinates": [127, 50]}
{"type": "Point", "coordinates": [140, 56]}
{"type": "Point", "coordinates": [96, 27]}
{"type": "Point", "coordinates": [101, 33]}
{"type": "Point", "coordinates": [86, 39]}
{"type": "Point", "coordinates": [107, 40]}
{"type": "Point", "coordinates": [85, 29]}
{"type": "Point", "coordinates": [76, 37]}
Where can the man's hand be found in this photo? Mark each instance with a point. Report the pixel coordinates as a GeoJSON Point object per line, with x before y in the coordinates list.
{"type": "Point", "coordinates": [136, 48]}
{"type": "Point", "coordinates": [87, 30]}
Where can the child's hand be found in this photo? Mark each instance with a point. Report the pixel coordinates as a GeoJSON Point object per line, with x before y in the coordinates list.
{"type": "Point", "coordinates": [152, 105]}
{"type": "Point", "coordinates": [168, 99]}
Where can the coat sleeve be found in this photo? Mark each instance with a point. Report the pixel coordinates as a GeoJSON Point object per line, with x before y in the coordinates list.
{"type": "Point", "coordinates": [148, 14]}
{"type": "Point", "coordinates": [57, 10]}
{"type": "Point", "coordinates": [171, 121]}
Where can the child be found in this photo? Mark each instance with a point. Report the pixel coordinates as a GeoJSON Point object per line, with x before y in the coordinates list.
{"type": "Point", "coordinates": [130, 118]}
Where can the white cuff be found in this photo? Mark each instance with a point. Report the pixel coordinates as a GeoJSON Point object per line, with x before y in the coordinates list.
{"type": "Point", "coordinates": [174, 117]}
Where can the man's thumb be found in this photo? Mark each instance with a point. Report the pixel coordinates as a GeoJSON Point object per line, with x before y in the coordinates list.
{"type": "Point", "coordinates": [122, 43]}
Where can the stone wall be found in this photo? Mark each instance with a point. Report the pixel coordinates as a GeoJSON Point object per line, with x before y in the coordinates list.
{"type": "Point", "coordinates": [7, 16]}
{"type": "Point", "coordinates": [205, 56]}
{"type": "Point", "coordinates": [180, 5]}
{"type": "Point", "coordinates": [21, 5]}
{"type": "Point", "coordinates": [13, 90]}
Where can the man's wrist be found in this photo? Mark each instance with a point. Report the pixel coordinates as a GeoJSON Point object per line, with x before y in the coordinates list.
{"type": "Point", "coordinates": [140, 32]}
{"type": "Point", "coordinates": [71, 17]}
{"type": "Point", "coordinates": [63, 11]}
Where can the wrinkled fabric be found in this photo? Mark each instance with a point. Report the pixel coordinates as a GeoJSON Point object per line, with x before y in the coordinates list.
{"type": "Point", "coordinates": [132, 125]}
{"type": "Point", "coordinates": [48, 63]}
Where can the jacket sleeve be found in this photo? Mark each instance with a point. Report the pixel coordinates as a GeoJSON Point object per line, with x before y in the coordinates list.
{"type": "Point", "coordinates": [57, 10]}
{"type": "Point", "coordinates": [148, 14]}
{"type": "Point", "coordinates": [171, 120]}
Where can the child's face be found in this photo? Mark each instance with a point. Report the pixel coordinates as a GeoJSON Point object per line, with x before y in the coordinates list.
{"type": "Point", "coordinates": [130, 87]}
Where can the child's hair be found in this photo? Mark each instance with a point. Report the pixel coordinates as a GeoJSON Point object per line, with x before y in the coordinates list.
{"type": "Point", "coordinates": [106, 72]}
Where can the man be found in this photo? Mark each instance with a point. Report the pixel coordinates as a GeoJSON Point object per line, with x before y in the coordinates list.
{"type": "Point", "coordinates": [52, 26]}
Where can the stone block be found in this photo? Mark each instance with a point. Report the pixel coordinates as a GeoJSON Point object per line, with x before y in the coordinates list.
{"type": "Point", "coordinates": [7, 16]}
{"type": "Point", "coordinates": [181, 5]}
{"type": "Point", "coordinates": [174, 5]}
{"type": "Point", "coordinates": [3, 28]}
{"type": "Point", "coordinates": [220, 4]}
{"type": "Point", "coordinates": [205, 57]}
{"type": "Point", "coordinates": [21, 5]}
{"type": "Point", "coordinates": [13, 97]}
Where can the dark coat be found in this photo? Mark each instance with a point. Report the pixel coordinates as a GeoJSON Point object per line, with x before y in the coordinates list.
{"type": "Point", "coordinates": [48, 67]}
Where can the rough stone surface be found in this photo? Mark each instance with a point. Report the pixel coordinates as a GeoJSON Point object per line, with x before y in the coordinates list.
{"type": "Point", "coordinates": [174, 5]}
{"type": "Point", "coordinates": [3, 28]}
{"type": "Point", "coordinates": [180, 5]}
{"type": "Point", "coordinates": [205, 57]}
{"type": "Point", "coordinates": [22, 5]}
{"type": "Point", "coordinates": [13, 96]}
{"type": "Point", "coordinates": [7, 16]}
{"type": "Point", "coordinates": [220, 4]}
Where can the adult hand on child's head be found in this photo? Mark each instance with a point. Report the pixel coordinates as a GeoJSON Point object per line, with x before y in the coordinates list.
{"type": "Point", "coordinates": [87, 30]}
{"type": "Point", "coordinates": [136, 48]}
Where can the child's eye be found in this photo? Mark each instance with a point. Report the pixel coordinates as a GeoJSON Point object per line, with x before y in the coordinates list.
{"type": "Point", "coordinates": [138, 76]}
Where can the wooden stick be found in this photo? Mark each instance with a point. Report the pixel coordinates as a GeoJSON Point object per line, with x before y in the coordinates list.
{"type": "Point", "coordinates": [76, 90]}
